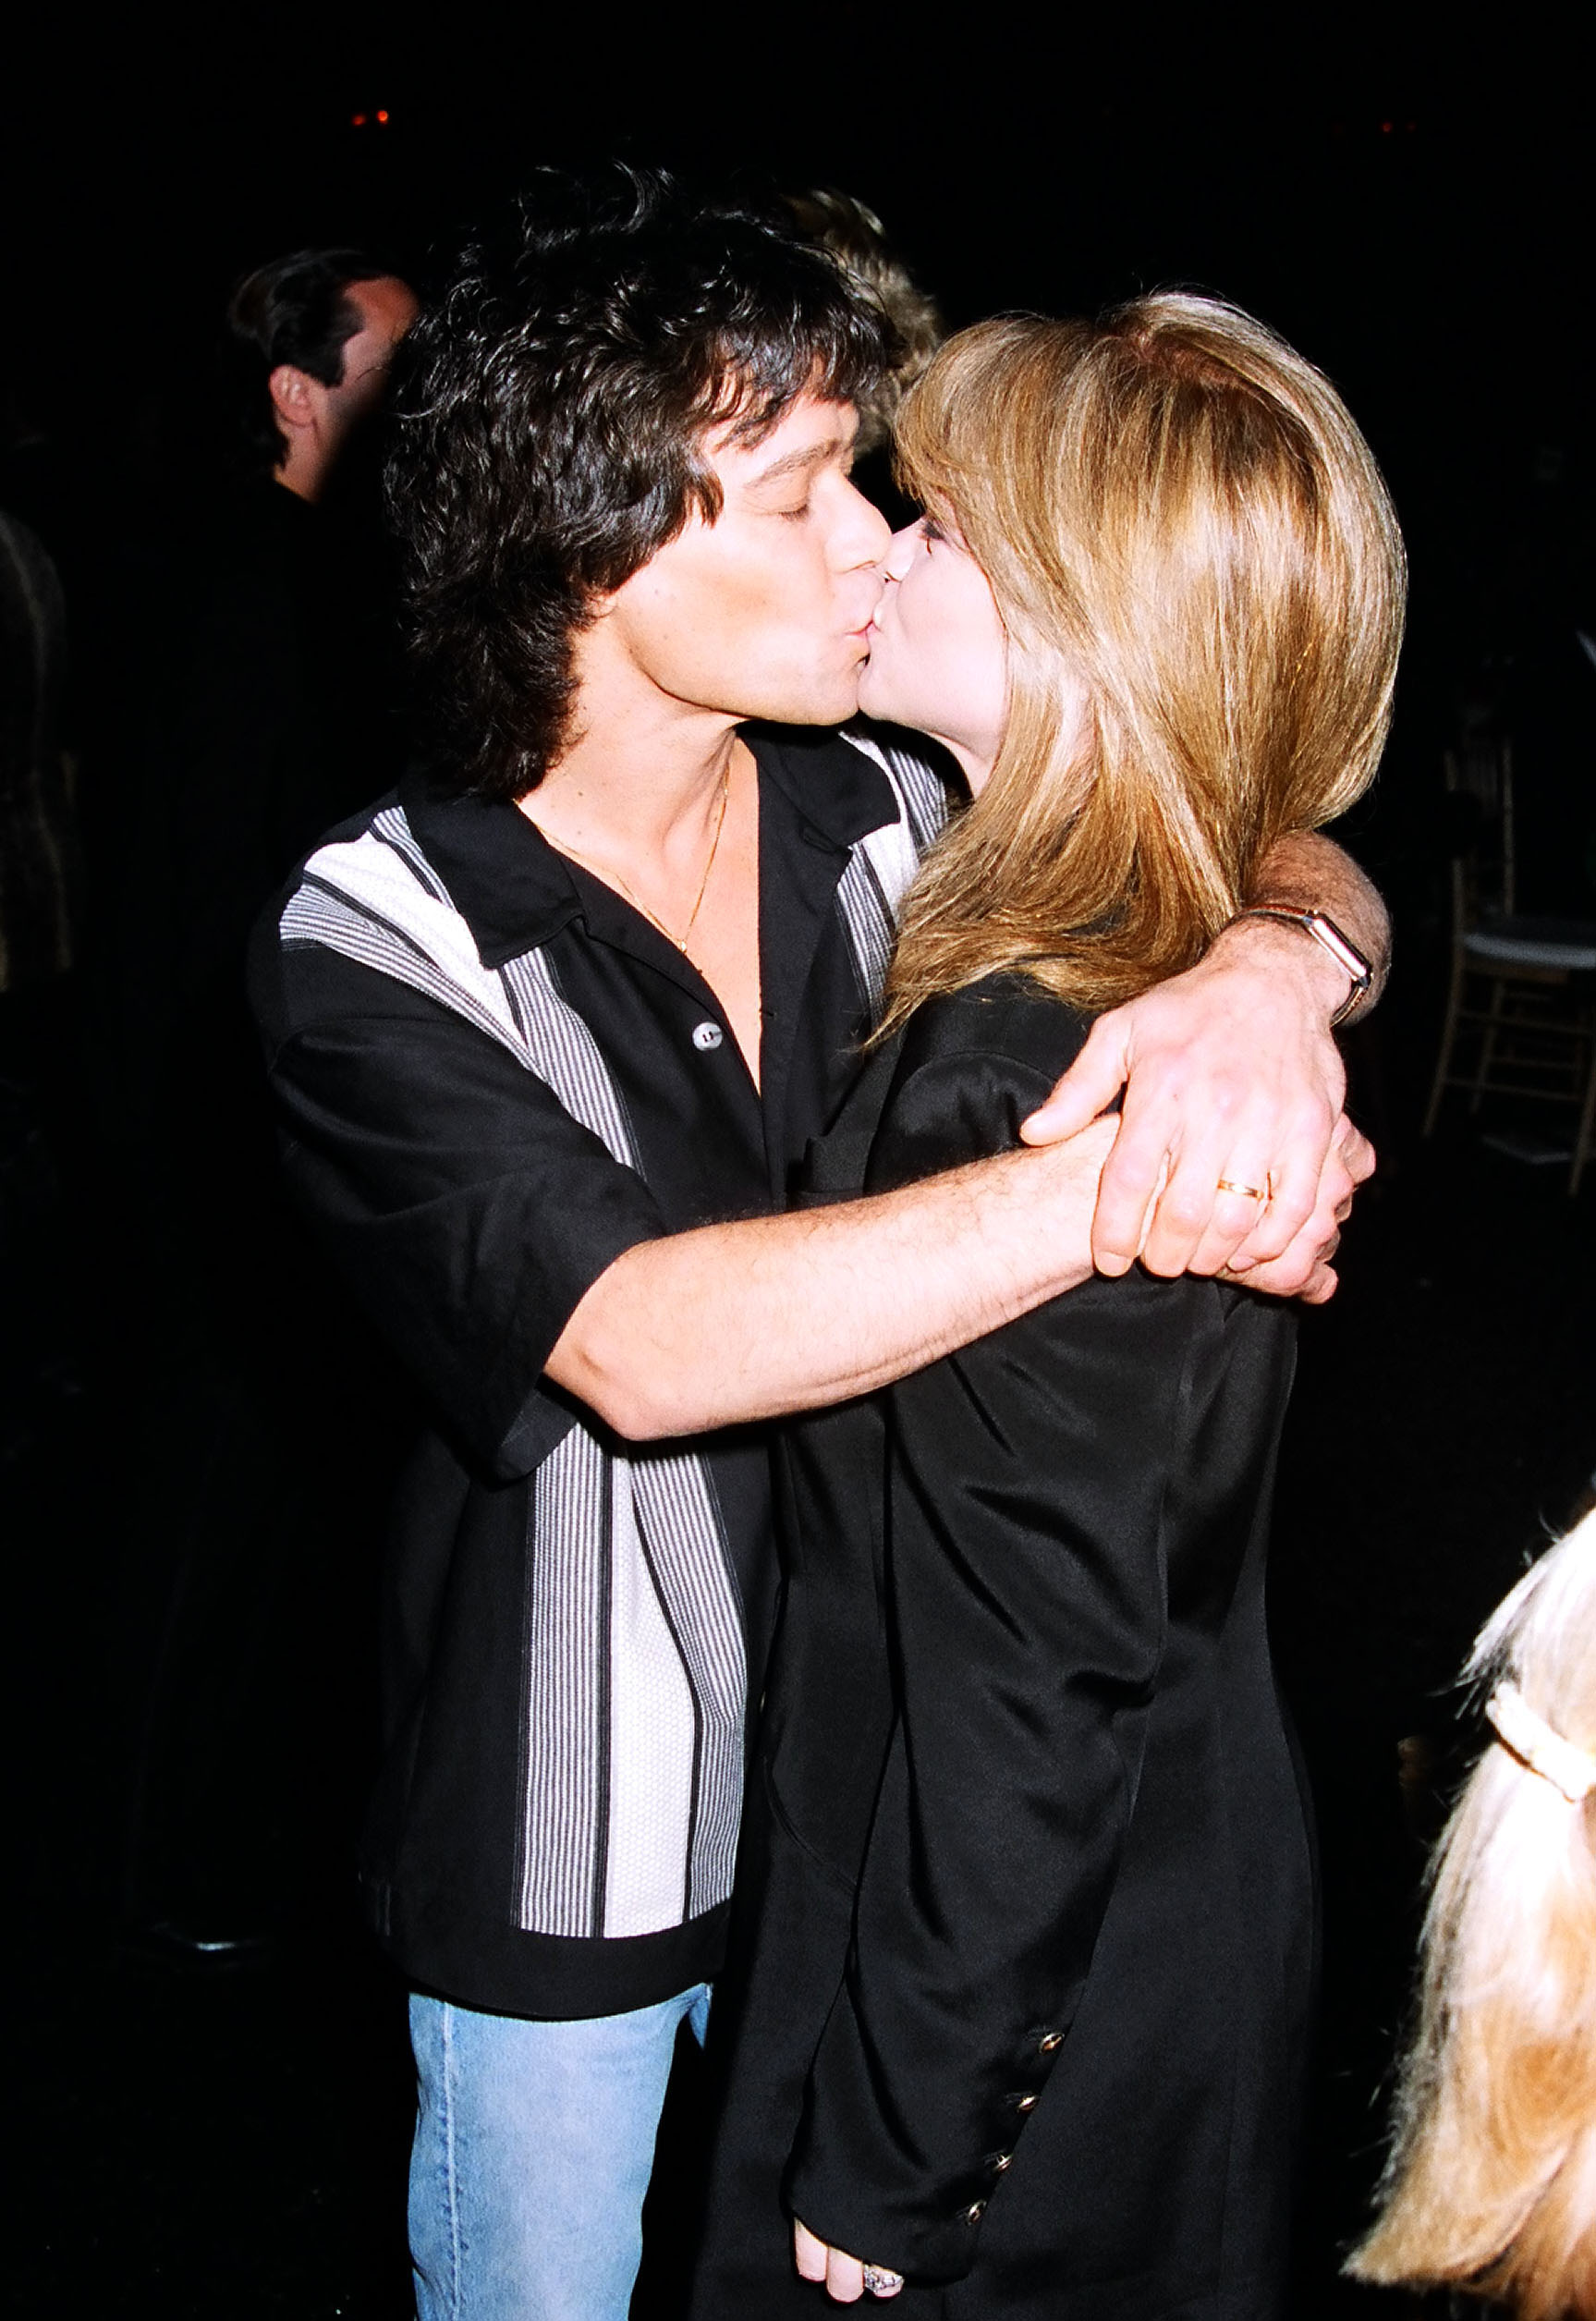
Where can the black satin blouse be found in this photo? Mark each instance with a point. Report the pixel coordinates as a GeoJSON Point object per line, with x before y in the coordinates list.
{"type": "Point", "coordinates": [1022, 1979]}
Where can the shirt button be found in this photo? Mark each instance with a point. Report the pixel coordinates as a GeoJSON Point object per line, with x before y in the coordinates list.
{"type": "Point", "coordinates": [1024, 2102]}
{"type": "Point", "coordinates": [707, 1036]}
{"type": "Point", "coordinates": [1050, 2040]}
{"type": "Point", "coordinates": [974, 2213]}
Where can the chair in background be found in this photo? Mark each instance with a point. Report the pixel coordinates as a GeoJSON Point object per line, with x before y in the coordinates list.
{"type": "Point", "coordinates": [1522, 999]}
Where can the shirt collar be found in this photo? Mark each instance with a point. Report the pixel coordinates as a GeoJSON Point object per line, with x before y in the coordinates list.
{"type": "Point", "coordinates": [840, 794]}
{"type": "Point", "coordinates": [509, 886]}
{"type": "Point", "coordinates": [515, 891]}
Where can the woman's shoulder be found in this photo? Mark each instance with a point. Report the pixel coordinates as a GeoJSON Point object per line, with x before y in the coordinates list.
{"type": "Point", "coordinates": [1003, 1015]}
{"type": "Point", "coordinates": [972, 1065]}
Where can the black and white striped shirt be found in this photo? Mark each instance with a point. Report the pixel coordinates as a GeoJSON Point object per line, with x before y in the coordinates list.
{"type": "Point", "coordinates": [495, 1077]}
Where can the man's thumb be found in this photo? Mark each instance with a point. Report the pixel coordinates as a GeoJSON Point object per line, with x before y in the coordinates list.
{"type": "Point", "coordinates": [1090, 1086]}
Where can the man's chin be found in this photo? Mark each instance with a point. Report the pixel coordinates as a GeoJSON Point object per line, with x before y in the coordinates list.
{"type": "Point", "coordinates": [812, 705]}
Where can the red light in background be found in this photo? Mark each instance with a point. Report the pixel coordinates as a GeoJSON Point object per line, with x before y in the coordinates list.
{"type": "Point", "coordinates": [359, 121]}
{"type": "Point", "coordinates": [382, 116]}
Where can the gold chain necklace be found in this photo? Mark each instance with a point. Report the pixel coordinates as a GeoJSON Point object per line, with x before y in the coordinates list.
{"type": "Point", "coordinates": [682, 940]}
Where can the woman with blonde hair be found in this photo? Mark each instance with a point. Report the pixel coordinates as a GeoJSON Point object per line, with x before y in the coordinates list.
{"type": "Point", "coordinates": [1491, 2183]}
{"type": "Point", "coordinates": [1020, 2004]}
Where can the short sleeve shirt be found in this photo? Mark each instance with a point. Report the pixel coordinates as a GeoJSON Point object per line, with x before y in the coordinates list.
{"type": "Point", "coordinates": [495, 1076]}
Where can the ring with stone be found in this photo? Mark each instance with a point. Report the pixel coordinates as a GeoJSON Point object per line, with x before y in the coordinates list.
{"type": "Point", "coordinates": [881, 2283]}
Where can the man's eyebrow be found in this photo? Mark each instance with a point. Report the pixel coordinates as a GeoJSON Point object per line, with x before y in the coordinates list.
{"type": "Point", "coordinates": [793, 462]}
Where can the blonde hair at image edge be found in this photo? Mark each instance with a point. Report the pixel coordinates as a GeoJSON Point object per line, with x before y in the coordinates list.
{"type": "Point", "coordinates": [1492, 2181]}
{"type": "Point", "coordinates": [1175, 506]}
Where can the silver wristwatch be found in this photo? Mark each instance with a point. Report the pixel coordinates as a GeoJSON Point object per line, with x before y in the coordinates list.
{"type": "Point", "coordinates": [1329, 937]}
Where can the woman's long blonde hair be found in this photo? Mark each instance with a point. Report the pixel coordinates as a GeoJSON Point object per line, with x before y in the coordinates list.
{"type": "Point", "coordinates": [1491, 2183]}
{"type": "Point", "coordinates": [1175, 506]}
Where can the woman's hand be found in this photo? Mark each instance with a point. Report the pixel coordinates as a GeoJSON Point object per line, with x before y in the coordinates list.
{"type": "Point", "coordinates": [1232, 1155]}
{"type": "Point", "coordinates": [843, 2275]}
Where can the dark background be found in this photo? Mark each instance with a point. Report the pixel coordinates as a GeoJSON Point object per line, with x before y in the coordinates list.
{"type": "Point", "coordinates": [1419, 223]}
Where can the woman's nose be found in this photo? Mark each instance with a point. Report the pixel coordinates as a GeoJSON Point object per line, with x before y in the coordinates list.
{"type": "Point", "coordinates": [900, 548]}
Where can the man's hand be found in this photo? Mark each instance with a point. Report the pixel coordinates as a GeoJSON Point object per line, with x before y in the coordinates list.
{"type": "Point", "coordinates": [1232, 1155]}
{"type": "Point", "coordinates": [843, 2275]}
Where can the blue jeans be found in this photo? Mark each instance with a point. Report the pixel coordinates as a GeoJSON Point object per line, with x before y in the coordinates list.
{"type": "Point", "coordinates": [534, 2144]}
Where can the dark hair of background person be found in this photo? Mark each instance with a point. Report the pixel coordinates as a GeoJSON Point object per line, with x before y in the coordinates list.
{"type": "Point", "coordinates": [294, 309]}
{"type": "Point", "coordinates": [552, 407]}
{"type": "Point", "coordinates": [856, 237]}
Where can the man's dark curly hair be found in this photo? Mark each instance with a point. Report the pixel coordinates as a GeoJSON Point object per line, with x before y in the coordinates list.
{"type": "Point", "coordinates": [552, 407]}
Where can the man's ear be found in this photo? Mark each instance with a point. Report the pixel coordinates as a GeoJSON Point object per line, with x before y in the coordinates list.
{"type": "Point", "coordinates": [293, 396]}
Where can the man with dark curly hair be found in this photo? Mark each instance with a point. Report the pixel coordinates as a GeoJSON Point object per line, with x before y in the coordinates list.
{"type": "Point", "coordinates": [550, 1031]}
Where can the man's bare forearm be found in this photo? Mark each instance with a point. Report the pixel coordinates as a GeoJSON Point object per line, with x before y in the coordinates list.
{"type": "Point", "coordinates": [758, 1319]}
{"type": "Point", "coordinates": [1306, 872]}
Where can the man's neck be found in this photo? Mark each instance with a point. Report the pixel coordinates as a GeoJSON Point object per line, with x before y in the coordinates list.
{"type": "Point", "coordinates": [641, 778]}
{"type": "Point", "coordinates": [302, 471]}
{"type": "Point", "coordinates": [660, 798]}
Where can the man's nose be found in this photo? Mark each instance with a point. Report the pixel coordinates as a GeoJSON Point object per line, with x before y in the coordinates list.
{"type": "Point", "coordinates": [865, 534]}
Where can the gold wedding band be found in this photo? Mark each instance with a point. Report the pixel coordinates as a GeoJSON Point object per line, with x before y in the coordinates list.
{"type": "Point", "coordinates": [1253, 1193]}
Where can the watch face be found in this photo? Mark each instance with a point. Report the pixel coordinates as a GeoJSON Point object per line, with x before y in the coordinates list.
{"type": "Point", "coordinates": [1347, 954]}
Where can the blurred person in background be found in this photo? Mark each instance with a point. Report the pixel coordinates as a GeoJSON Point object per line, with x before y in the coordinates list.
{"type": "Point", "coordinates": [259, 701]}
{"type": "Point", "coordinates": [313, 337]}
{"type": "Point", "coordinates": [853, 234]}
{"type": "Point", "coordinates": [286, 707]}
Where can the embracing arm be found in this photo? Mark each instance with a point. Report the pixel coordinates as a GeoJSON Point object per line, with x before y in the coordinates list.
{"type": "Point", "coordinates": [1230, 1071]}
{"type": "Point", "coordinates": [771, 1315]}
{"type": "Point", "coordinates": [500, 1246]}
{"type": "Point", "coordinates": [1232, 1077]}
{"type": "Point", "coordinates": [485, 1228]}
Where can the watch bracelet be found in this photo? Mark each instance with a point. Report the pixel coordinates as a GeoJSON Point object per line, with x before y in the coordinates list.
{"type": "Point", "coordinates": [1346, 953]}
